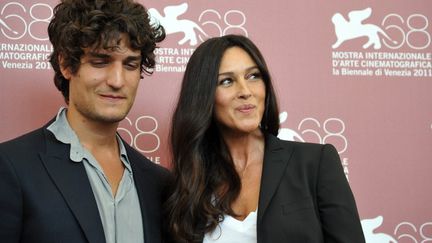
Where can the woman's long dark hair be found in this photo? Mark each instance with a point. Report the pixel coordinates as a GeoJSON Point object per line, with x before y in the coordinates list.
{"type": "Point", "coordinates": [206, 182]}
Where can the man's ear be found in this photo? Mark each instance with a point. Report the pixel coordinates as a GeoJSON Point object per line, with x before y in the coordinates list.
{"type": "Point", "coordinates": [65, 71]}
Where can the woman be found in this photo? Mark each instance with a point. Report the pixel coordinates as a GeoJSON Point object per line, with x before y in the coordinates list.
{"type": "Point", "coordinates": [235, 181]}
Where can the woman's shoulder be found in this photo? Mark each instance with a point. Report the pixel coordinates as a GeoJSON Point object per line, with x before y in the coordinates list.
{"type": "Point", "coordinates": [300, 150]}
{"type": "Point", "coordinates": [273, 140]}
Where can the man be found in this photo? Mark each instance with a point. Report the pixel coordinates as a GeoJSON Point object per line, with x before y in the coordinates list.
{"type": "Point", "coordinates": [74, 180]}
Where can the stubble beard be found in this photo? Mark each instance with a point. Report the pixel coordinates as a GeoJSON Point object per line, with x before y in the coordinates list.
{"type": "Point", "coordinates": [92, 114]}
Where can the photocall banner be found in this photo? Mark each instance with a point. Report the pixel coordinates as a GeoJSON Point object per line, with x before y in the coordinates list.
{"type": "Point", "coordinates": [356, 74]}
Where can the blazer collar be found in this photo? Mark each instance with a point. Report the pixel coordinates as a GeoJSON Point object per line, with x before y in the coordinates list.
{"type": "Point", "coordinates": [276, 158]}
{"type": "Point", "coordinates": [72, 182]}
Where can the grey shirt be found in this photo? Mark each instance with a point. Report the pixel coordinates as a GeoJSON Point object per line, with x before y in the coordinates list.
{"type": "Point", "coordinates": [120, 214]}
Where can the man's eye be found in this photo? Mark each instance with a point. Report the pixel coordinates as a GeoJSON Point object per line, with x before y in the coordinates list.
{"type": "Point", "coordinates": [132, 66]}
{"type": "Point", "coordinates": [98, 63]}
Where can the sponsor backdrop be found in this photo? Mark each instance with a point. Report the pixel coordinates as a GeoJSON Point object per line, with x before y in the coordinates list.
{"type": "Point", "coordinates": [357, 74]}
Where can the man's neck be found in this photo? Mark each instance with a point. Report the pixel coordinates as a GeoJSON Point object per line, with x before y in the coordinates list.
{"type": "Point", "coordinates": [94, 135]}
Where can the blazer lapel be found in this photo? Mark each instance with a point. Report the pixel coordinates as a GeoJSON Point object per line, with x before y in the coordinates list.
{"type": "Point", "coordinates": [143, 183]}
{"type": "Point", "coordinates": [72, 182]}
{"type": "Point", "coordinates": [276, 158]}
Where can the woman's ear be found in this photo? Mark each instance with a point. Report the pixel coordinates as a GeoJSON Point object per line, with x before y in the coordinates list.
{"type": "Point", "coordinates": [65, 71]}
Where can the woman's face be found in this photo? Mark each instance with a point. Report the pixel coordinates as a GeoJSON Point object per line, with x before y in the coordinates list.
{"type": "Point", "coordinates": [240, 93]}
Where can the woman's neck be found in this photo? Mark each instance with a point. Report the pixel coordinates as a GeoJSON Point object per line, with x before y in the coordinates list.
{"type": "Point", "coordinates": [245, 149]}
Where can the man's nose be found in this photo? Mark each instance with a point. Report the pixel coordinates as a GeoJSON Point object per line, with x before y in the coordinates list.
{"type": "Point", "coordinates": [116, 76]}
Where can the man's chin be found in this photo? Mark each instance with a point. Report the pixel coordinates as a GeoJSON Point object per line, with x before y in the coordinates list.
{"type": "Point", "coordinates": [110, 118]}
{"type": "Point", "coordinates": [113, 119]}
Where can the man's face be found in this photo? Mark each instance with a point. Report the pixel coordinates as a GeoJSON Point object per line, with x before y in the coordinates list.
{"type": "Point", "coordinates": [104, 87]}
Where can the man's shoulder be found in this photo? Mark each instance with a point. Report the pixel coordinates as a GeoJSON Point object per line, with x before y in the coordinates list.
{"type": "Point", "coordinates": [30, 140]}
{"type": "Point", "coordinates": [24, 149]}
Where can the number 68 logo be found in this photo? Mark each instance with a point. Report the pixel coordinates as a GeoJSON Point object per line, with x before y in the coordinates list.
{"type": "Point", "coordinates": [414, 32]}
{"type": "Point", "coordinates": [13, 23]}
{"type": "Point", "coordinates": [143, 135]}
{"type": "Point", "coordinates": [333, 132]}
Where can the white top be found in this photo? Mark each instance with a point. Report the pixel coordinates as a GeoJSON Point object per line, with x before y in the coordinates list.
{"type": "Point", "coordinates": [231, 230]}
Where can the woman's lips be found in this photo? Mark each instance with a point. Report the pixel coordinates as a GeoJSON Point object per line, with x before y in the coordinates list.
{"type": "Point", "coordinates": [245, 108]}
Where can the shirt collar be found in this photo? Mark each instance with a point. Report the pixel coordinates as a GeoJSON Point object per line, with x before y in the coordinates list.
{"type": "Point", "coordinates": [65, 134]}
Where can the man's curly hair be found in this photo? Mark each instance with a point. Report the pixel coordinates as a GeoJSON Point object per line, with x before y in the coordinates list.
{"type": "Point", "coordinates": [99, 24]}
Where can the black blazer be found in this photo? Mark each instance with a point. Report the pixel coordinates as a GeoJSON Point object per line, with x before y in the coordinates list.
{"type": "Point", "coordinates": [305, 196]}
{"type": "Point", "coordinates": [45, 197]}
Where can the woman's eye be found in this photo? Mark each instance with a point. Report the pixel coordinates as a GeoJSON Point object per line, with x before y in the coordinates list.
{"type": "Point", "coordinates": [254, 76]}
{"type": "Point", "coordinates": [225, 82]}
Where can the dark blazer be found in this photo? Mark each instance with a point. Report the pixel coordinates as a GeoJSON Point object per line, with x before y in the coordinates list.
{"type": "Point", "coordinates": [305, 196]}
{"type": "Point", "coordinates": [45, 197]}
